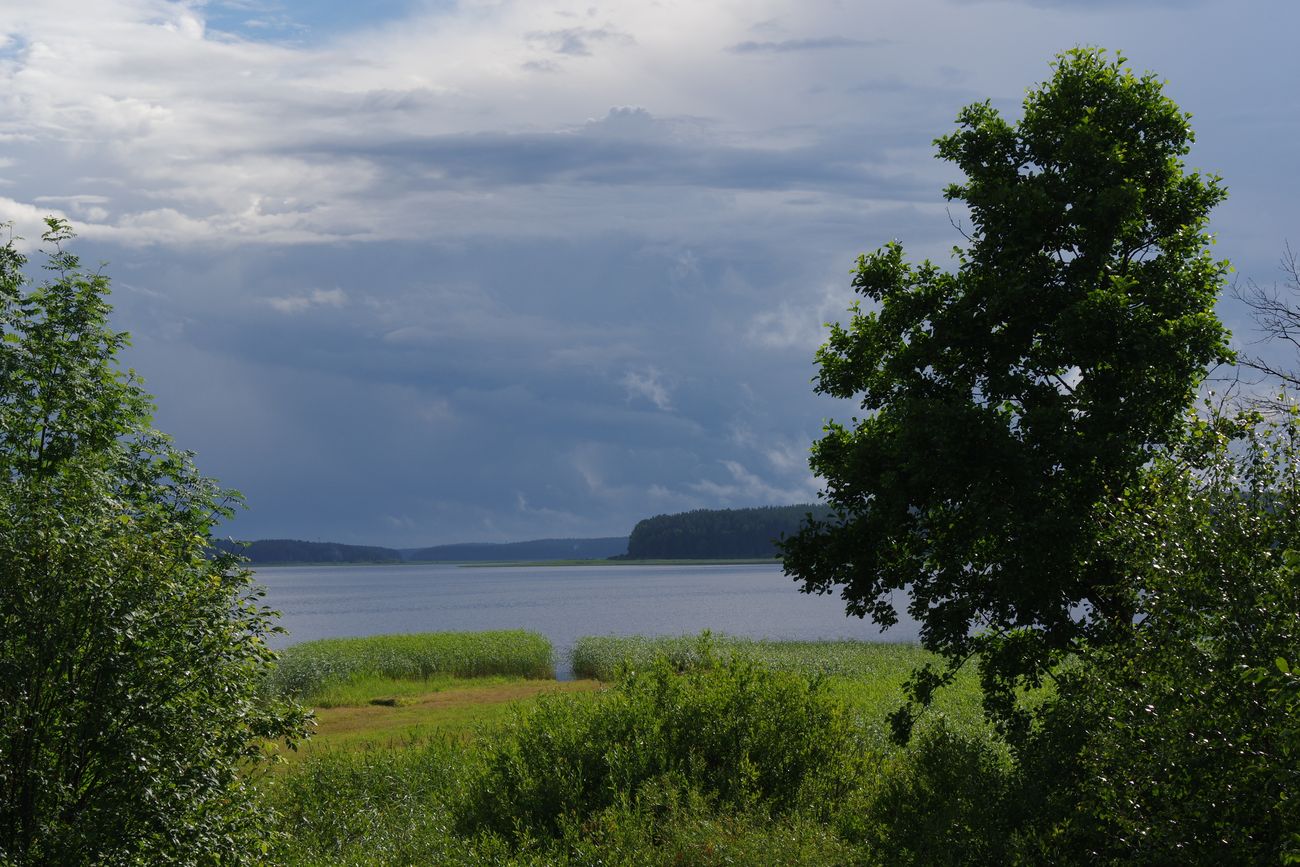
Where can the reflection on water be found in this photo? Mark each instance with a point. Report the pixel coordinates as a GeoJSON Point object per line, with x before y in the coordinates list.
{"type": "Point", "coordinates": [561, 602]}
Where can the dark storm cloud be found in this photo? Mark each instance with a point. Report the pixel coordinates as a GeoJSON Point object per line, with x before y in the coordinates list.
{"type": "Point", "coordinates": [607, 153]}
{"type": "Point", "coordinates": [455, 393]}
{"type": "Point", "coordinates": [393, 287]}
{"type": "Point", "coordinates": [490, 158]}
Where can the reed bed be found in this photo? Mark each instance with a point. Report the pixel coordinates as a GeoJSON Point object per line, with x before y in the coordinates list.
{"type": "Point", "coordinates": [314, 666]}
{"type": "Point", "coordinates": [600, 656]}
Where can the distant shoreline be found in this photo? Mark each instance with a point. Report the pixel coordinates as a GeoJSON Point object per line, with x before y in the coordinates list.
{"type": "Point", "coordinates": [481, 564]}
{"type": "Point", "coordinates": [737, 561]}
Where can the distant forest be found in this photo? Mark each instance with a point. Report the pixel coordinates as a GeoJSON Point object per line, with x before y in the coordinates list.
{"type": "Point", "coordinates": [265, 551]}
{"type": "Point", "coordinates": [703, 534]}
{"type": "Point", "coordinates": [281, 551]}
{"type": "Point", "coordinates": [718, 533]}
{"type": "Point", "coordinates": [538, 549]}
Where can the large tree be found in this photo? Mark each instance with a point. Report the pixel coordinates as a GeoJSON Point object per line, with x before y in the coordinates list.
{"type": "Point", "coordinates": [1005, 400]}
{"type": "Point", "coordinates": [132, 663]}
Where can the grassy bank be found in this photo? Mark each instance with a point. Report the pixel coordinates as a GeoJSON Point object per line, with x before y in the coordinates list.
{"type": "Point", "coordinates": [396, 715]}
{"type": "Point", "coordinates": [703, 751]}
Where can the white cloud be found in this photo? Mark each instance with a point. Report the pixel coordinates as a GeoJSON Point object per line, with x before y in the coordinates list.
{"type": "Point", "coordinates": [801, 324]}
{"type": "Point", "coordinates": [436, 411]}
{"type": "Point", "coordinates": [748, 488]}
{"type": "Point", "coordinates": [206, 130]}
{"type": "Point", "coordinates": [316, 298]}
{"type": "Point", "coordinates": [788, 457]}
{"type": "Point", "coordinates": [648, 383]}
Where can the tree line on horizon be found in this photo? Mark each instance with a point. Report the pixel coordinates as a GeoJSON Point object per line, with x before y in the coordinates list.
{"type": "Point", "coordinates": [699, 534]}
{"type": "Point", "coordinates": [708, 534]}
{"type": "Point", "coordinates": [264, 551]}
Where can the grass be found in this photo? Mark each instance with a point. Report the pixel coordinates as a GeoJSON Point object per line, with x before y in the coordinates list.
{"type": "Point", "coordinates": [702, 750]}
{"type": "Point", "coordinates": [324, 671]}
{"type": "Point", "coordinates": [387, 714]}
{"type": "Point", "coordinates": [600, 656]}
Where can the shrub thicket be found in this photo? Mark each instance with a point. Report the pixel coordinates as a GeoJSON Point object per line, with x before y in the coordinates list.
{"type": "Point", "coordinates": [1175, 740]}
{"type": "Point", "coordinates": [736, 735]}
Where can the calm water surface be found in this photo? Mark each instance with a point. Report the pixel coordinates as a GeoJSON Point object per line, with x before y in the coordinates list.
{"type": "Point", "coordinates": [561, 602]}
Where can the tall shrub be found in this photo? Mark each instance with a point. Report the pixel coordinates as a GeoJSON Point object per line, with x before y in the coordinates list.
{"type": "Point", "coordinates": [130, 662]}
{"type": "Point", "coordinates": [1176, 740]}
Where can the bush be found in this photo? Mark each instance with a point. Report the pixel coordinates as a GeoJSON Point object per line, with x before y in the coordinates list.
{"type": "Point", "coordinates": [131, 664]}
{"type": "Point", "coordinates": [738, 735]}
{"type": "Point", "coordinates": [943, 800]}
{"type": "Point", "coordinates": [1172, 743]}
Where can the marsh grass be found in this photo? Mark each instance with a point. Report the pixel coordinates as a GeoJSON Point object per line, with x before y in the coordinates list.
{"type": "Point", "coordinates": [334, 669]}
{"type": "Point", "coordinates": [694, 751]}
{"type": "Point", "coordinates": [398, 806]}
{"type": "Point", "coordinates": [600, 656]}
{"type": "Point", "coordinates": [372, 806]}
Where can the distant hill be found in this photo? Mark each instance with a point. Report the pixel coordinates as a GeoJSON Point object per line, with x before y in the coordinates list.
{"type": "Point", "coordinates": [538, 549]}
{"type": "Point", "coordinates": [707, 534]}
{"type": "Point", "coordinates": [265, 551]}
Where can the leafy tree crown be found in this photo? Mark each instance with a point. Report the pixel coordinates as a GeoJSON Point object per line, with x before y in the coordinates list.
{"type": "Point", "coordinates": [132, 660]}
{"type": "Point", "coordinates": [1004, 400]}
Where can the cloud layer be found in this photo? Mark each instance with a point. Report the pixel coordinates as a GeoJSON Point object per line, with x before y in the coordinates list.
{"type": "Point", "coordinates": [419, 272]}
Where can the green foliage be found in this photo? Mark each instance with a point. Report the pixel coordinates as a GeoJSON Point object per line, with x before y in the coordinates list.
{"type": "Point", "coordinates": [309, 668]}
{"type": "Point", "coordinates": [395, 807]}
{"type": "Point", "coordinates": [1006, 403]}
{"type": "Point", "coordinates": [945, 800]}
{"type": "Point", "coordinates": [1178, 740]}
{"type": "Point", "coordinates": [371, 807]}
{"type": "Point", "coordinates": [737, 735]}
{"type": "Point", "coordinates": [717, 533]}
{"type": "Point", "coordinates": [648, 769]}
{"type": "Point", "coordinates": [868, 676]}
{"type": "Point", "coordinates": [131, 664]}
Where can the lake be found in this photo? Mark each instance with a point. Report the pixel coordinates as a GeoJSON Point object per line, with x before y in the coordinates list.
{"type": "Point", "coordinates": [561, 602]}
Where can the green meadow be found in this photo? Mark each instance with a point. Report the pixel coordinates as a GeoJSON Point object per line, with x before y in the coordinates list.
{"type": "Point", "coordinates": [461, 748]}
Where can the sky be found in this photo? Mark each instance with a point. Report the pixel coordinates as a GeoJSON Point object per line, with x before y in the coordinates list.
{"type": "Point", "coordinates": [410, 272]}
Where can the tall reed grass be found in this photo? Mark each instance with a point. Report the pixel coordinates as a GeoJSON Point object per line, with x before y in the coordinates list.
{"type": "Point", "coordinates": [313, 666]}
{"type": "Point", "coordinates": [600, 656]}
